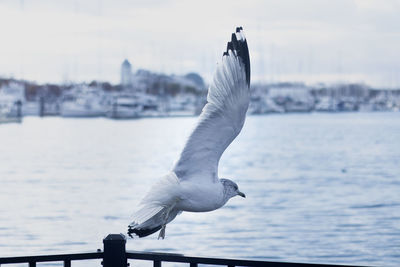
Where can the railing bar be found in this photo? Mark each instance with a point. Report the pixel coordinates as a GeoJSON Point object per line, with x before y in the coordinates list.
{"type": "Point", "coordinates": [58, 257]}
{"type": "Point", "coordinates": [156, 258]}
{"type": "Point", "coordinates": [217, 261]}
{"type": "Point", "coordinates": [156, 263]}
{"type": "Point", "coordinates": [197, 260]}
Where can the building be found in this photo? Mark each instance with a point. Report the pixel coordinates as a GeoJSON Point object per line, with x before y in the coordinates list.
{"type": "Point", "coordinates": [126, 74]}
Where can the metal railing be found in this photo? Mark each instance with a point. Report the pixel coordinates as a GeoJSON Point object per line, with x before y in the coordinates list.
{"type": "Point", "coordinates": [66, 258]}
{"type": "Point", "coordinates": [115, 255]}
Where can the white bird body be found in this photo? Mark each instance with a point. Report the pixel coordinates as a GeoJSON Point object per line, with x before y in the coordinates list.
{"type": "Point", "coordinates": [193, 184]}
{"type": "Point", "coordinates": [193, 199]}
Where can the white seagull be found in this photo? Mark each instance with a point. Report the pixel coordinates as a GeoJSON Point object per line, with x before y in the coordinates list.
{"type": "Point", "coordinates": [193, 184]}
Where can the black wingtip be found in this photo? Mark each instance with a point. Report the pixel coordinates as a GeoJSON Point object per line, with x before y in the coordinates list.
{"type": "Point", "coordinates": [142, 232]}
{"type": "Point", "coordinates": [234, 42]}
{"type": "Point", "coordinates": [242, 51]}
{"type": "Point", "coordinates": [229, 46]}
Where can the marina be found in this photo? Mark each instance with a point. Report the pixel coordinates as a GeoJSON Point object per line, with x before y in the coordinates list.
{"type": "Point", "coordinates": [85, 101]}
{"type": "Point", "coordinates": [144, 94]}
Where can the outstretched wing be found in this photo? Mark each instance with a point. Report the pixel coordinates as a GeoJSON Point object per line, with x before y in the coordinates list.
{"type": "Point", "coordinates": [222, 117]}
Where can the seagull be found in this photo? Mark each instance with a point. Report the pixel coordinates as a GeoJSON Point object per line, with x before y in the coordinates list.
{"type": "Point", "coordinates": [193, 184]}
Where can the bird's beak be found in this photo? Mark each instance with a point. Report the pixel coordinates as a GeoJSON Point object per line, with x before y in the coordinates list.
{"type": "Point", "coordinates": [241, 194]}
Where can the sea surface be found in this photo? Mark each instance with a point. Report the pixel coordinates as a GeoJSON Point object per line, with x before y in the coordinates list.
{"type": "Point", "coordinates": [321, 188]}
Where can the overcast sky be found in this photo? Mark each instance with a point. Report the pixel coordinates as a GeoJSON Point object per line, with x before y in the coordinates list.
{"type": "Point", "coordinates": [289, 40]}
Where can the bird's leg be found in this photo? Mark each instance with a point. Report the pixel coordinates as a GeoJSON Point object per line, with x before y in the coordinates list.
{"type": "Point", "coordinates": [162, 232]}
{"type": "Point", "coordinates": [166, 215]}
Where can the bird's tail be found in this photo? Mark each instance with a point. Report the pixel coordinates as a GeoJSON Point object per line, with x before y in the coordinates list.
{"type": "Point", "coordinates": [147, 221]}
{"type": "Point", "coordinates": [142, 232]}
{"type": "Point", "coordinates": [156, 208]}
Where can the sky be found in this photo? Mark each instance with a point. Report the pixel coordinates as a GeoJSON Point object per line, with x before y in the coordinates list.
{"type": "Point", "coordinates": [289, 40]}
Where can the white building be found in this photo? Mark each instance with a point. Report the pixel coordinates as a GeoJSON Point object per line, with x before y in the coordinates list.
{"type": "Point", "coordinates": [126, 74]}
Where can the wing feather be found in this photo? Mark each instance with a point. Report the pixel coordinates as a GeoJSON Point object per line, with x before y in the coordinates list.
{"type": "Point", "coordinates": [223, 116]}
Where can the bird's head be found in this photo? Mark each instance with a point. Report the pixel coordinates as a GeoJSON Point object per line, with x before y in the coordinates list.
{"type": "Point", "coordinates": [231, 189]}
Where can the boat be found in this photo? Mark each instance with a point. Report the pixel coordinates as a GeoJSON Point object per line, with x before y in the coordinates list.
{"type": "Point", "coordinates": [124, 107]}
{"type": "Point", "coordinates": [11, 100]}
{"type": "Point", "coordinates": [326, 104]}
{"type": "Point", "coordinates": [10, 112]}
{"type": "Point", "coordinates": [181, 106]}
{"type": "Point", "coordinates": [83, 102]}
{"type": "Point", "coordinates": [82, 108]}
{"type": "Point", "coordinates": [31, 108]}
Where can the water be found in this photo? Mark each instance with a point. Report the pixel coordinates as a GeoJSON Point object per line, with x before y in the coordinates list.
{"type": "Point", "coordinates": [321, 188]}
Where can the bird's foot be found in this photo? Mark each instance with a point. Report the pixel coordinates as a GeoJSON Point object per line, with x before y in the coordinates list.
{"type": "Point", "coordinates": [162, 232]}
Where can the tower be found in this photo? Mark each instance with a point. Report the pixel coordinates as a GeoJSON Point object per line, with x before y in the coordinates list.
{"type": "Point", "coordinates": [126, 74]}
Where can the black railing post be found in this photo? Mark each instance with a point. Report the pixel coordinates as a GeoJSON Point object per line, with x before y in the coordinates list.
{"type": "Point", "coordinates": [114, 251]}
